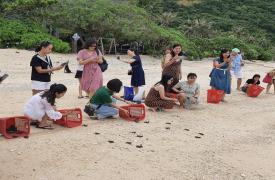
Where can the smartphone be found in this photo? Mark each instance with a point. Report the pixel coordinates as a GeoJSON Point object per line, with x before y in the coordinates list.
{"type": "Point", "coordinates": [65, 63]}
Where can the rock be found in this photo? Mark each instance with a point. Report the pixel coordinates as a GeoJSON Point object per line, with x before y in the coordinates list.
{"type": "Point", "coordinates": [139, 146]}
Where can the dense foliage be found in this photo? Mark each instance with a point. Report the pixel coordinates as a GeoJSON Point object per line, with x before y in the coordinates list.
{"type": "Point", "coordinates": [201, 26]}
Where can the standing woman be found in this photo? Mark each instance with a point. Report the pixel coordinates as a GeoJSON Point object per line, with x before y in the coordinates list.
{"type": "Point", "coordinates": [91, 57]}
{"type": "Point", "coordinates": [220, 75]}
{"type": "Point", "coordinates": [172, 65]}
{"type": "Point", "coordinates": [42, 68]}
{"type": "Point", "coordinates": [137, 72]}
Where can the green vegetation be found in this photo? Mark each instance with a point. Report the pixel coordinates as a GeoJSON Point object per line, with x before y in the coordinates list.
{"type": "Point", "coordinates": [201, 26]}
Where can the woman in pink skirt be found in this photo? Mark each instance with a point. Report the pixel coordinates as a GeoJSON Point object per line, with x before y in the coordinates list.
{"type": "Point", "coordinates": [90, 57]}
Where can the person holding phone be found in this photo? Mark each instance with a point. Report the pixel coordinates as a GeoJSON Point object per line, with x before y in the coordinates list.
{"type": "Point", "coordinates": [42, 68]}
{"type": "Point", "coordinates": [92, 76]}
{"type": "Point", "coordinates": [220, 74]}
{"type": "Point", "coordinates": [136, 72]}
{"type": "Point", "coordinates": [172, 65]}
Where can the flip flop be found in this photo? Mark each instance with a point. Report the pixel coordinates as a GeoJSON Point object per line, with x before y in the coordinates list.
{"type": "Point", "coordinates": [45, 127]}
{"type": "Point", "coordinates": [34, 123]}
{"type": "Point", "coordinates": [2, 78]}
{"type": "Point", "coordinates": [80, 97]}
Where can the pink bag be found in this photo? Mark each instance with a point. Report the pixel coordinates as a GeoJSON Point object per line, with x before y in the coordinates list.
{"type": "Point", "coordinates": [267, 78]}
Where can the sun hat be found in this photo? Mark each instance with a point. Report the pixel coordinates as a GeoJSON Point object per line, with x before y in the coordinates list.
{"type": "Point", "coordinates": [236, 50]}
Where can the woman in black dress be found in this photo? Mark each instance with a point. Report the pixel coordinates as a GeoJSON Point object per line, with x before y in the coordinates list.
{"type": "Point", "coordinates": [137, 72]}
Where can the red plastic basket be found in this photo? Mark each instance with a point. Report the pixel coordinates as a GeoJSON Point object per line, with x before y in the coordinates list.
{"type": "Point", "coordinates": [136, 112]}
{"type": "Point", "coordinates": [171, 95]}
{"type": "Point", "coordinates": [254, 90]}
{"type": "Point", "coordinates": [214, 96]}
{"type": "Point", "coordinates": [19, 124]}
{"type": "Point", "coordinates": [71, 118]}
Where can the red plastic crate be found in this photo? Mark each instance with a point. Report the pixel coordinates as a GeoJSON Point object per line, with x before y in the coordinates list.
{"type": "Point", "coordinates": [21, 126]}
{"type": "Point", "coordinates": [136, 112]}
{"type": "Point", "coordinates": [214, 96]}
{"type": "Point", "coordinates": [71, 118]}
{"type": "Point", "coordinates": [254, 90]}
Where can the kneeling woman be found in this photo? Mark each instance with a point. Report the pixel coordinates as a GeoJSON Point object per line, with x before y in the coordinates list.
{"type": "Point", "coordinates": [104, 100]}
{"type": "Point", "coordinates": [254, 81]}
{"type": "Point", "coordinates": [41, 107]}
{"type": "Point", "coordinates": [156, 97]}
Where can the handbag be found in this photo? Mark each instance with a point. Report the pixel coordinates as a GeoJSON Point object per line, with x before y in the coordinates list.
{"type": "Point", "coordinates": [130, 72]}
{"type": "Point", "coordinates": [104, 65]}
{"type": "Point", "coordinates": [88, 109]}
{"type": "Point", "coordinates": [267, 78]}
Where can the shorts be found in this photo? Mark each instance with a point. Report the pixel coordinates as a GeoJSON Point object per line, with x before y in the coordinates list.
{"type": "Point", "coordinates": [40, 86]}
{"type": "Point", "coordinates": [238, 75]}
{"type": "Point", "coordinates": [78, 74]}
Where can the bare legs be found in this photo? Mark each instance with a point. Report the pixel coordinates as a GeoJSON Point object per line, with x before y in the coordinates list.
{"type": "Point", "coordinates": [44, 123]}
{"type": "Point", "coordinates": [269, 86]}
{"type": "Point", "coordinates": [80, 89]}
{"type": "Point", "coordinates": [239, 82]}
{"type": "Point", "coordinates": [34, 92]}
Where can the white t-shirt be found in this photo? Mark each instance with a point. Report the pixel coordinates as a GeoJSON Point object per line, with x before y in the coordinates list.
{"type": "Point", "coordinates": [37, 107]}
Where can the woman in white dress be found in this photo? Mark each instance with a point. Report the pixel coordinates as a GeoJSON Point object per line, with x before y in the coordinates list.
{"type": "Point", "coordinates": [41, 107]}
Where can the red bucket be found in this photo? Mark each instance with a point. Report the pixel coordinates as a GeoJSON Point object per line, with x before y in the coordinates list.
{"type": "Point", "coordinates": [136, 112]}
{"type": "Point", "coordinates": [254, 90]}
{"type": "Point", "coordinates": [214, 96]}
{"type": "Point", "coordinates": [13, 127]}
{"type": "Point", "coordinates": [71, 118]}
{"type": "Point", "coordinates": [171, 95]}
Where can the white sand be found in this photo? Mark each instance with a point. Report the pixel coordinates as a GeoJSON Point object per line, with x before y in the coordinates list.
{"type": "Point", "coordinates": [238, 141]}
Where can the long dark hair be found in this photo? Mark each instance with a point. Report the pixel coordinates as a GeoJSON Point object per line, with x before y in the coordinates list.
{"type": "Point", "coordinates": [90, 42]}
{"type": "Point", "coordinates": [164, 80]}
{"type": "Point", "coordinates": [172, 52]}
{"type": "Point", "coordinates": [223, 50]}
{"type": "Point", "coordinates": [50, 94]}
{"type": "Point", "coordinates": [256, 75]}
{"type": "Point", "coordinates": [43, 44]}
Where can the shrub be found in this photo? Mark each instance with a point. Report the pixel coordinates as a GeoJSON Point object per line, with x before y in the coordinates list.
{"type": "Point", "coordinates": [28, 36]}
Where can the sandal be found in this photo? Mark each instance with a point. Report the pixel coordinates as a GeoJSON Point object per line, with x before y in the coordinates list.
{"type": "Point", "coordinates": [80, 97]}
{"type": "Point", "coordinates": [34, 123]}
{"type": "Point", "coordinates": [49, 127]}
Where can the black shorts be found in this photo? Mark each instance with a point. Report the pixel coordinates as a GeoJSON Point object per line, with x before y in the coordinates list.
{"type": "Point", "coordinates": [78, 74]}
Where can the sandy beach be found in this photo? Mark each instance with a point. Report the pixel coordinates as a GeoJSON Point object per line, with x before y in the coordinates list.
{"type": "Point", "coordinates": [227, 141]}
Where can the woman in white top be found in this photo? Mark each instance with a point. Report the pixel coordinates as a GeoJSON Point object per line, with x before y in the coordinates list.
{"type": "Point", "coordinates": [41, 107]}
{"type": "Point", "coordinates": [42, 68]}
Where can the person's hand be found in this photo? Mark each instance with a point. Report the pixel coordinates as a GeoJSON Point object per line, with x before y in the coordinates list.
{"type": "Point", "coordinates": [193, 100]}
{"type": "Point", "coordinates": [128, 102]}
{"type": "Point", "coordinates": [57, 68]}
{"type": "Point", "coordinates": [126, 112]}
{"type": "Point", "coordinates": [176, 57]}
{"type": "Point", "coordinates": [174, 99]}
